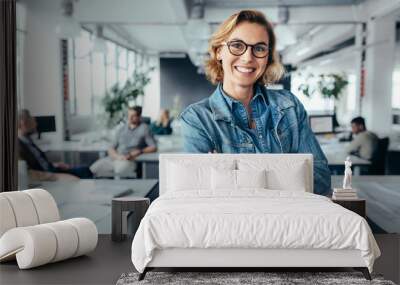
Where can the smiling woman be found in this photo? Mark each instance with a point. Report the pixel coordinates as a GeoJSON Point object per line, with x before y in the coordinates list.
{"type": "Point", "coordinates": [251, 25]}
{"type": "Point", "coordinates": [242, 116]}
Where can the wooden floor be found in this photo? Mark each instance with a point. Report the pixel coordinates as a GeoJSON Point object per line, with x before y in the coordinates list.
{"type": "Point", "coordinates": [111, 259]}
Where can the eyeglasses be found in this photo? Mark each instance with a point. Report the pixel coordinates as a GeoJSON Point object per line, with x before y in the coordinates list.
{"type": "Point", "coordinates": [238, 47]}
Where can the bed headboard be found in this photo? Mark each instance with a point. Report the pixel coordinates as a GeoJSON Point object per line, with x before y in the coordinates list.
{"type": "Point", "coordinates": [290, 166]}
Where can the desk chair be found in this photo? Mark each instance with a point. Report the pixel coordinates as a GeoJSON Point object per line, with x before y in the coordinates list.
{"type": "Point", "coordinates": [393, 162]}
{"type": "Point", "coordinates": [378, 161]}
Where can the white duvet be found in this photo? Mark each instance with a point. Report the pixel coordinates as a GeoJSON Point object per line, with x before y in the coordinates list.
{"type": "Point", "coordinates": [252, 218]}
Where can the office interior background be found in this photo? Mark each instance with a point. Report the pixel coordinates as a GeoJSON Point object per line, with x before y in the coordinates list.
{"type": "Point", "coordinates": [68, 58]}
{"type": "Point", "coordinates": [77, 59]}
{"type": "Point", "coordinates": [74, 57]}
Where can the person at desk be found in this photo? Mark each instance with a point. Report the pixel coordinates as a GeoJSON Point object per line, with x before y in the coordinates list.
{"type": "Point", "coordinates": [132, 139]}
{"type": "Point", "coordinates": [163, 125]}
{"type": "Point", "coordinates": [364, 143]}
{"type": "Point", "coordinates": [242, 116]}
{"type": "Point", "coordinates": [40, 168]}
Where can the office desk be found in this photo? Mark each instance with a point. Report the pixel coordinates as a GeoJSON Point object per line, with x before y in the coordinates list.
{"type": "Point", "coordinates": [336, 154]}
{"type": "Point", "coordinates": [76, 152]}
{"type": "Point", "coordinates": [382, 195]}
{"type": "Point", "coordinates": [91, 198]}
{"type": "Point", "coordinates": [78, 146]}
{"type": "Point", "coordinates": [148, 162]}
{"type": "Point", "coordinates": [71, 151]}
{"type": "Point", "coordinates": [79, 143]}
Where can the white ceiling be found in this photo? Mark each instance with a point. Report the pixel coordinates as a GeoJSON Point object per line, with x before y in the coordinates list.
{"type": "Point", "coordinates": [156, 26]}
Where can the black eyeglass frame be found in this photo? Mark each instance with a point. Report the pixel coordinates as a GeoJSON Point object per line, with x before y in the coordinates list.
{"type": "Point", "coordinates": [247, 45]}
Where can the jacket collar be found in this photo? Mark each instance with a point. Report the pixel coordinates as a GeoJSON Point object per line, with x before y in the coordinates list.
{"type": "Point", "coordinates": [221, 107]}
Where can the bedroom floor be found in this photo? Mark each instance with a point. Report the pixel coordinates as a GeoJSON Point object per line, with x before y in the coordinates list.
{"type": "Point", "coordinates": [110, 260]}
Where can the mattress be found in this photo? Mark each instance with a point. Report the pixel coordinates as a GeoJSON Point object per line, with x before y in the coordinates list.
{"type": "Point", "coordinates": [250, 219]}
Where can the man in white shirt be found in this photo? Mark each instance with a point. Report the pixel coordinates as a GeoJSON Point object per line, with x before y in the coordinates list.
{"type": "Point", "coordinates": [364, 143]}
{"type": "Point", "coordinates": [133, 139]}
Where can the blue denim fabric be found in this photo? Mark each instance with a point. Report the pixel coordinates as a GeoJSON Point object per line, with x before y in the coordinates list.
{"type": "Point", "coordinates": [219, 123]}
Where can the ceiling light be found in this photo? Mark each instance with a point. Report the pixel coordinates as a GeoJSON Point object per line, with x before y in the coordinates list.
{"type": "Point", "coordinates": [283, 14]}
{"type": "Point", "coordinates": [197, 29]}
{"type": "Point", "coordinates": [197, 9]}
{"type": "Point", "coordinates": [68, 26]}
{"type": "Point", "coordinates": [99, 44]}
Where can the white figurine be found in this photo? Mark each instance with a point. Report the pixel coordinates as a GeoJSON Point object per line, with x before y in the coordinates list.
{"type": "Point", "coordinates": [347, 174]}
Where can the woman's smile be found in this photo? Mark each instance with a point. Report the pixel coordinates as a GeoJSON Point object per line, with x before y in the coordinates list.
{"type": "Point", "coordinates": [244, 69]}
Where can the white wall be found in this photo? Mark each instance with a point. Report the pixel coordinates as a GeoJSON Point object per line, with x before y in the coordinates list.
{"type": "Point", "coordinates": [380, 58]}
{"type": "Point", "coordinates": [42, 70]}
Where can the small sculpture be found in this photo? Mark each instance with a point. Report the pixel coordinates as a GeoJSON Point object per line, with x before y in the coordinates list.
{"type": "Point", "coordinates": [347, 174]}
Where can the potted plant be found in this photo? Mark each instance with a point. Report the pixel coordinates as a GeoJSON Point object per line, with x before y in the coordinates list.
{"type": "Point", "coordinates": [328, 85]}
{"type": "Point", "coordinates": [117, 99]}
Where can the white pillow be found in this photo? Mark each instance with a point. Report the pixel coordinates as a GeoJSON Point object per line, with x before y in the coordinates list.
{"type": "Point", "coordinates": [294, 179]}
{"type": "Point", "coordinates": [251, 178]}
{"type": "Point", "coordinates": [223, 179]}
{"type": "Point", "coordinates": [284, 174]}
{"type": "Point", "coordinates": [182, 177]}
{"type": "Point", "coordinates": [187, 175]}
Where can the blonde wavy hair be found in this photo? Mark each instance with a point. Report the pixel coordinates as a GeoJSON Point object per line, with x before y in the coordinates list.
{"type": "Point", "coordinates": [213, 67]}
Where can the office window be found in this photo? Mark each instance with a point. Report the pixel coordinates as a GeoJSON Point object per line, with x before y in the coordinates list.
{"type": "Point", "coordinates": [93, 74]}
{"type": "Point", "coordinates": [122, 76]}
{"type": "Point", "coordinates": [131, 63]}
{"type": "Point", "coordinates": [122, 66]}
{"type": "Point", "coordinates": [315, 103]}
{"type": "Point", "coordinates": [111, 67]}
{"type": "Point", "coordinates": [122, 58]}
{"type": "Point", "coordinates": [99, 80]}
{"type": "Point", "coordinates": [139, 61]}
{"type": "Point", "coordinates": [83, 76]}
{"type": "Point", "coordinates": [396, 89]}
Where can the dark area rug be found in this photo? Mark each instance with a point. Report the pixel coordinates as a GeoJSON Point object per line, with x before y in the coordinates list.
{"type": "Point", "coordinates": [228, 278]}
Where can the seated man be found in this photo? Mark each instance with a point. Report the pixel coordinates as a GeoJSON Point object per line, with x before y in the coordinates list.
{"type": "Point", "coordinates": [133, 139]}
{"type": "Point", "coordinates": [40, 168]}
{"type": "Point", "coordinates": [364, 142]}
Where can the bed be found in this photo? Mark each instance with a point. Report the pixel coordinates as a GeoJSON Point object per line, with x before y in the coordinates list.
{"type": "Point", "coordinates": [247, 210]}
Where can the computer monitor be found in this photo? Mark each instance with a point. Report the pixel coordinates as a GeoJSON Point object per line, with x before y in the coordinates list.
{"type": "Point", "coordinates": [322, 124]}
{"type": "Point", "coordinates": [146, 120]}
{"type": "Point", "coordinates": [45, 124]}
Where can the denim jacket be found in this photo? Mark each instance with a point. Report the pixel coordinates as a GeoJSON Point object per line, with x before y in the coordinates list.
{"type": "Point", "coordinates": [210, 125]}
